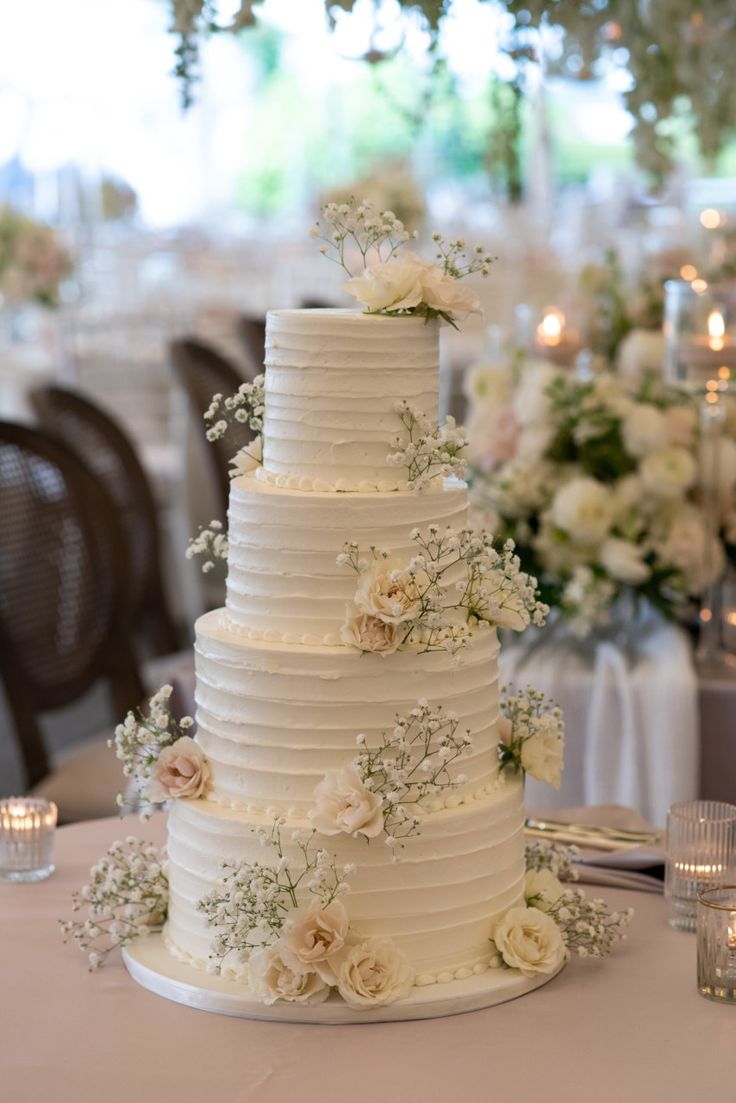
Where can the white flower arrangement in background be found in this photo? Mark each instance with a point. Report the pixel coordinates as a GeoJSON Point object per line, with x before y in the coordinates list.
{"type": "Point", "coordinates": [456, 581]}
{"type": "Point", "coordinates": [212, 544]}
{"type": "Point", "coordinates": [397, 283]}
{"type": "Point", "coordinates": [532, 735]}
{"type": "Point", "coordinates": [428, 451]}
{"type": "Point", "coordinates": [33, 260]}
{"type": "Point", "coordinates": [127, 897]}
{"type": "Point", "coordinates": [384, 789]}
{"type": "Point", "coordinates": [159, 757]}
{"type": "Point", "coordinates": [595, 481]}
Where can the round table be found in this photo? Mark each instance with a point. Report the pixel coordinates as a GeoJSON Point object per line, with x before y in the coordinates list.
{"type": "Point", "coordinates": [629, 1028]}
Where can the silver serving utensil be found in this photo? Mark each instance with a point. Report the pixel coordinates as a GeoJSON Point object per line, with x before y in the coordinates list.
{"type": "Point", "coordinates": [595, 836]}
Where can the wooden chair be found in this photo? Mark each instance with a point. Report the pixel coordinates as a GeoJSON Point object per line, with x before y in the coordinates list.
{"type": "Point", "coordinates": [252, 333]}
{"type": "Point", "coordinates": [106, 451]}
{"type": "Point", "coordinates": [64, 612]}
{"type": "Point", "coordinates": [203, 372]}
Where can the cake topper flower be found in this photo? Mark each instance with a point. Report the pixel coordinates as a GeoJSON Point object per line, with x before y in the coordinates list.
{"type": "Point", "coordinates": [392, 281]}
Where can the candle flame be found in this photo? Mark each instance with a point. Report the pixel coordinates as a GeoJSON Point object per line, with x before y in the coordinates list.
{"type": "Point", "coordinates": [716, 330]}
{"type": "Point", "coordinates": [549, 331]}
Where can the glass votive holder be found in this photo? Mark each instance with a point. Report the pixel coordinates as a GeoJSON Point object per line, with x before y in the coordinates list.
{"type": "Point", "coordinates": [26, 838]}
{"type": "Point", "coordinates": [701, 843]}
{"type": "Point", "coordinates": [717, 943]}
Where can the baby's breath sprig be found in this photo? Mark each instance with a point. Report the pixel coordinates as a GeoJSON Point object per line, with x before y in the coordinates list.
{"type": "Point", "coordinates": [211, 543]}
{"type": "Point", "coordinates": [458, 263]}
{"type": "Point", "coordinates": [555, 857]}
{"type": "Point", "coordinates": [140, 739]}
{"type": "Point", "coordinates": [127, 896]}
{"type": "Point", "coordinates": [410, 767]}
{"type": "Point", "coordinates": [251, 904]}
{"type": "Point", "coordinates": [245, 407]}
{"type": "Point", "coordinates": [428, 451]}
{"type": "Point", "coordinates": [376, 235]}
{"type": "Point", "coordinates": [532, 735]}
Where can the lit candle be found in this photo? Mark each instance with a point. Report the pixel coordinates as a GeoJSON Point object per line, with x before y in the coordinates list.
{"type": "Point", "coordinates": [554, 339]}
{"type": "Point", "coordinates": [26, 838]}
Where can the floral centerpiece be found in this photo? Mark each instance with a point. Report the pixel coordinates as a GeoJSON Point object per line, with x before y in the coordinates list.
{"type": "Point", "coordinates": [33, 261]}
{"type": "Point", "coordinates": [595, 481]}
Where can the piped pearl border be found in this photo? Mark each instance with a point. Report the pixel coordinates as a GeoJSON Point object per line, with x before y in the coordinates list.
{"type": "Point", "coordinates": [325, 486]}
{"type": "Point", "coordinates": [268, 635]}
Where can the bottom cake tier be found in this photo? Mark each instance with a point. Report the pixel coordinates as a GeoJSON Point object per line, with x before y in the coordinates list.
{"type": "Point", "coordinates": [437, 902]}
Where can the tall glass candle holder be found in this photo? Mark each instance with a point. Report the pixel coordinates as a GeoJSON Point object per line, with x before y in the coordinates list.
{"type": "Point", "coordinates": [700, 335]}
{"type": "Point", "coordinates": [26, 839]}
{"type": "Point", "coordinates": [701, 846]}
{"type": "Point", "coordinates": [717, 943]}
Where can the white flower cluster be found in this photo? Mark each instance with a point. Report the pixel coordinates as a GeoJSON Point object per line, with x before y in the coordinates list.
{"type": "Point", "coordinates": [385, 787]}
{"type": "Point", "coordinates": [212, 543]}
{"type": "Point", "coordinates": [398, 283]}
{"type": "Point", "coordinates": [128, 896]}
{"type": "Point", "coordinates": [532, 736]}
{"type": "Point", "coordinates": [595, 481]}
{"type": "Point", "coordinates": [142, 738]}
{"type": "Point", "coordinates": [454, 582]}
{"type": "Point", "coordinates": [428, 451]}
{"type": "Point", "coordinates": [245, 407]}
{"type": "Point", "coordinates": [249, 908]}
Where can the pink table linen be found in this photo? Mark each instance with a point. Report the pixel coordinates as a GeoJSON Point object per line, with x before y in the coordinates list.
{"type": "Point", "coordinates": [627, 1029]}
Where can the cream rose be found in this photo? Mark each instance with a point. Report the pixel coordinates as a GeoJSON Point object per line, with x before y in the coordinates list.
{"type": "Point", "coordinates": [624, 560]}
{"type": "Point", "coordinates": [395, 284]}
{"type": "Point", "coordinates": [644, 430]}
{"type": "Point", "coordinates": [641, 350]}
{"type": "Point", "coordinates": [182, 770]}
{"type": "Point", "coordinates": [668, 473]}
{"type": "Point", "coordinates": [311, 936]}
{"type": "Point", "coordinates": [342, 803]}
{"type": "Point", "coordinates": [583, 508]}
{"type": "Point", "coordinates": [373, 973]}
{"type": "Point", "coordinates": [528, 940]}
{"type": "Point", "coordinates": [389, 592]}
{"type": "Point", "coordinates": [368, 633]}
{"type": "Point", "coordinates": [687, 545]}
{"type": "Point", "coordinates": [442, 292]}
{"type": "Point", "coordinates": [541, 889]}
{"type": "Point", "coordinates": [488, 385]}
{"type": "Point", "coordinates": [542, 753]}
{"type": "Point", "coordinates": [681, 422]}
{"type": "Point", "coordinates": [531, 401]}
{"type": "Point", "coordinates": [272, 979]}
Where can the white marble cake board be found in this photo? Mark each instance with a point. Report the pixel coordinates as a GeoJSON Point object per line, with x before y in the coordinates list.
{"type": "Point", "coordinates": [152, 966]}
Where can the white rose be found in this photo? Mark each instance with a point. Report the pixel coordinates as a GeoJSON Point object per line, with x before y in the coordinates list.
{"type": "Point", "coordinates": [542, 753]}
{"type": "Point", "coordinates": [373, 973]}
{"type": "Point", "coordinates": [541, 889]}
{"type": "Point", "coordinates": [528, 940]}
{"type": "Point", "coordinates": [681, 422]}
{"type": "Point", "coordinates": [687, 545]}
{"type": "Point", "coordinates": [531, 402]}
{"type": "Point", "coordinates": [393, 285]}
{"type": "Point", "coordinates": [182, 770]}
{"type": "Point", "coordinates": [640, 351]}
{"type": "Point", "coordinates": [644, 430]}
{"type": "Point", "coordinates": [369, 633]}
{"type": "Point", "coordinates": [247, 459]}
{"type": "Point", "coordinates": [272, 979]}
{"type": "Point", "coordinates": [312, 936]}
{"type": "Point", "coordinates": [583, 508]}
{"type": "Point", "coordinates": [627, 495]}
{"type": "Point", "coordinates": [533, 442]}
{"type": "Point", "coordinates": [342, 803]}
{"type": "Point", "coordinates": [387, 591]}
{"type": "Point", "coordinates": [442, 292]}
{"type": "Point", "coordinates": [624, 560]}
{"type": "Point", "coordinates": [668, 472]}
{"type": "Point", "coordinates": [487, 385]}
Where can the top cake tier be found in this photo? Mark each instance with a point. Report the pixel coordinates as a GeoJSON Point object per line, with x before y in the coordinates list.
{"type": "Point", "coordinates": [333, 379]}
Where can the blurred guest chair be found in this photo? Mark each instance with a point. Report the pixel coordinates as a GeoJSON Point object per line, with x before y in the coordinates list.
{"type": "Point", "coordinates": [203, 373]}
{"type": "Point", "coordinates": [65, 613]}
{"type": "Point", "coordinates": [252, 334]}
{"type": "Point", "coordinates": [106, 450]}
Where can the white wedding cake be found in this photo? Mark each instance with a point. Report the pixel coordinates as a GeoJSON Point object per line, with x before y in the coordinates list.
{"type": "Point", "coordinates": [289, 688]}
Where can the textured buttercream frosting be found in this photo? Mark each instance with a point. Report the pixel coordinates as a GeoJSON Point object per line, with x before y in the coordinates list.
{"type": "Point", "coordinates": [333, 378]}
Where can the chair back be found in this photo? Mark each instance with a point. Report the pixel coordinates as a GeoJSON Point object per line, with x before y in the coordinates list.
{"type": "Point", "coordinates": [106, 450]}
{"type": "Point", "coordinates": [64, 587]}
{"type": "Point", "coordinates": [203, 373]}
{"type": "Point", "coordinates": [252, 333]}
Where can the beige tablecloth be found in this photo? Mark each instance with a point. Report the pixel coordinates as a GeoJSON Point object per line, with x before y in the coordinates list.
{"type": "Point", "coordinates": [631, 1028]}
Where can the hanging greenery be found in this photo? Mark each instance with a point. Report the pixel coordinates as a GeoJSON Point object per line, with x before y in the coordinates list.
{"type": "Point", "coordinates": [679, 54]}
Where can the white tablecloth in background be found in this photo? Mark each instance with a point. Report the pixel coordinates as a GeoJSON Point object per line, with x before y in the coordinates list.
{"type": "Point", "coordinates": [631, 717]}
